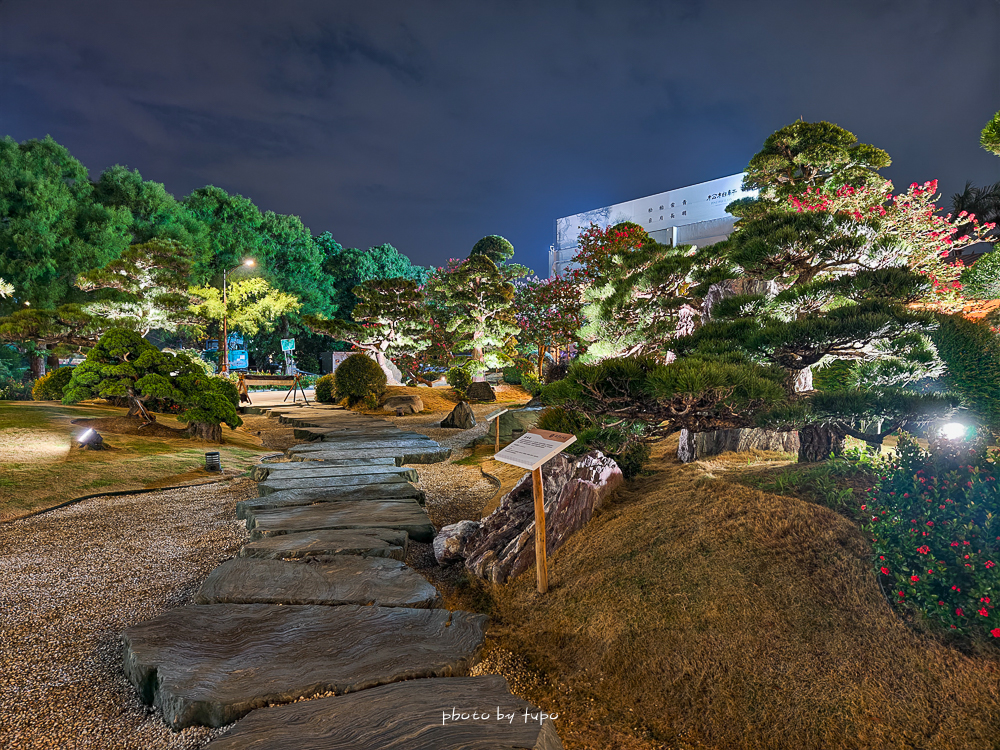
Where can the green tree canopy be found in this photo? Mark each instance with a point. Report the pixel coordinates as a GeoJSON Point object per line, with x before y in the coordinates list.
{"type": "Point", "coordinates": [252, 305]}
{"type": "Point", "coordinates": [494, 247]}
{"type": "Point", "coordinates": [350, 267]}
{"type": "Point", "coordinates": [990, 138]}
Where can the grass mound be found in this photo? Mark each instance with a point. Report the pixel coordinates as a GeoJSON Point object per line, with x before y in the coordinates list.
{"type": "Point", "coordinates": [130, 426]}
{"type": "Point", "coordinates": [695, 612]}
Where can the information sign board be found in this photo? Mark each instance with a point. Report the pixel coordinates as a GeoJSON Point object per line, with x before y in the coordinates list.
{"type": "Point", "coordinates": [288, 345]}
{"type": "Point", "coordinates": [534, 448]}
{"type": "Point", "coordinates": [238, 359]}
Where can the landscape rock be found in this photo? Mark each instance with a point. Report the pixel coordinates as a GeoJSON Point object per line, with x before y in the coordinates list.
{"type": "Point", "coordinates": [504, 545]}
{"type": "Point", "coordinates": [346, 579]}
{"type": "Point", "coordinates": [213, 664]}
{"type": "Point", "coordinates": [401, 716]}
{"type": "Point", "coordinates": [391, 543]}
{"type": "Point", "coordinates": [480, 391]}
{"type": "Point", "coordinates": [460, 418]}
{"type": "Point", "coordinates": [451, 541]}
{"type": "Point", "coordinates": [404, 404]}
{"type": "Point", "coordinates": [516, 419]}
{"type": "Point", "coordinates": [693, 446]}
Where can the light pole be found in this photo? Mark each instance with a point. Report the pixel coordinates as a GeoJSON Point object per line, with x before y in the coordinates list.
{"type": "Point", "coordinates": [224, 344]}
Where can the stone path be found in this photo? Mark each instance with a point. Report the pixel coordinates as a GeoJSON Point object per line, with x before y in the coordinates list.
{"type": "Point", "coordinates": [320, 602]}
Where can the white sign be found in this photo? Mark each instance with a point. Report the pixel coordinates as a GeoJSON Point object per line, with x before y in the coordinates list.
{"type": "Point", "coordinates": [495, 414]}
{"type": "Point", "coordinates": [534, 448]}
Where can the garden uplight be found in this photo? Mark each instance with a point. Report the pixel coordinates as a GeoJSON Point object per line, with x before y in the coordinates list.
{"type": "Point", "coordinates": [953, 431]}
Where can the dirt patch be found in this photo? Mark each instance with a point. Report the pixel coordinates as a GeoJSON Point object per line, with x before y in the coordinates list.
{"type": "Point", "coordinates": [131, 426]}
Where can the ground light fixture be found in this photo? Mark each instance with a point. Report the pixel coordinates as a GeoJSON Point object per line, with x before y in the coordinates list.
{"type": "Point", "coordinates": [954, 431]}
{"type": "Point", "coordinates": [90, 440]}
{"type": "Point", "coordinates": [212, 461]}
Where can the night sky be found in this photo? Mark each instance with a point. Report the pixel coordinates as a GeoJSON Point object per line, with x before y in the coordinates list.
{"type": "Point", "coordinates": [430, 124]}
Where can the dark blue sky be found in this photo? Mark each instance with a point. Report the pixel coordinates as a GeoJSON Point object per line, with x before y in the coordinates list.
{"type": "Point", "coordinates": [431, 124]}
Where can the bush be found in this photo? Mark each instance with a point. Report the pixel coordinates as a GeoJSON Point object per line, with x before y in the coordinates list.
{"type": "Point", "coordinates": [621, 445]}
{"type": "Point", "coordinates": [512, 375]}
{"type": "Point", "coordinates": [50, 386]}
{"type": "Point", "coordinates": [360, 380]}
{"type": "Point", "coordinates": [531, 383]}
{"type": "Point", "coordinates": [936, 542]}
{"type": "Point", "coordinates": [12, 389]}
{"type": "Point", "coordinates": [556, 371]}
{"type": "Point", "coordinates": [972, 352]}
{"type": "Point", "coordinates": [459, 379]}
{"type": "Point", "coordinates": [326, 387]}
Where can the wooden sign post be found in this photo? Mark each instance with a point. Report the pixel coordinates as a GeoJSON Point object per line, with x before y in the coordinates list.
{"type": "Point", "coordinates": [489, 418]}
{"type": "Point", "coordinates": [530, 451]}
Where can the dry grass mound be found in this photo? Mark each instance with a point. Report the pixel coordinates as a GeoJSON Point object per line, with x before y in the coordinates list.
{"type": "Point", "coordinates": [694, 612]}
{"type": "Point", "coordinates": [131, 426]}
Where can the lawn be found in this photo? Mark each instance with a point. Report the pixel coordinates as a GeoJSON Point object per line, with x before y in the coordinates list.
{"type": "Point", "coordinates": [40, 465]}
{"type": "Point", "coordinates": [697, 612]}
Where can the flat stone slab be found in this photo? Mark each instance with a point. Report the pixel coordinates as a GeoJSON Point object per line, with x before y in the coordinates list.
{"type": "Point", "coordinates": [403, 491]}
{"type": "Point", "coordinates": [349, 514]}
{"type": "Point", "coordinates": [388, 543]}
{"type": "Point", "coordinates": [299, 471]}
{"type": "Point", "coordinates": [260, 472]}
{"type": "Point", "coordinates": [337, 580]}
{"type": "Point", "coordinates": [401, 716]}
{"type": "Point", "coordinates": [407, 455]}
{"type": "Point", "coordinates": [277, 485]}
{"type": "Point", "coordinates": [315, 433]}
{"type": "Point", "coordinates": [213, 664]}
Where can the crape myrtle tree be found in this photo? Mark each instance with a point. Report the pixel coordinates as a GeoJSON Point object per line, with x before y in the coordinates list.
{"type": "Point", "coordinates": [389, 317]}
{"type": "Point", "coordinates": [549, 313]}
{"type": "Point", "coordinates": [124, 365]}
{"type": "Point", "coordinates": [477, 297]}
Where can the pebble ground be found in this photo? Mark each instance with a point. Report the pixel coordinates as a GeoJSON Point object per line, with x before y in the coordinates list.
{"type": "Point", "coordinates": [71, 581]}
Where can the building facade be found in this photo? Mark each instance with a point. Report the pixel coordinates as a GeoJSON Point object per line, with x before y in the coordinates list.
{"type": "Point", "coordinates": [693, 215]}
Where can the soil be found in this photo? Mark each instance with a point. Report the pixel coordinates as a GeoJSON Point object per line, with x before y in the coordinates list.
{"type": "Point", "coordinates": [130, 426]}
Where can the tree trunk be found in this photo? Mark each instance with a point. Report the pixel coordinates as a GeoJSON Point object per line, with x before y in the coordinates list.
{"type": "Point", "coordinates": [52, 361]}
{"type": "Point", "coordinates": [37, 363]}
{"type": "Point", "coordinates": [541, 359]}
{"type": "Point", "coordinates": [818, 441]}
{"type": "Point", "coordinates": [207, 431]}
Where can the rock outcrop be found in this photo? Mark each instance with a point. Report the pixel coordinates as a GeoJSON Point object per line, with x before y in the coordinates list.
{"type": "Point", "coordinates": [403, 404]}
{"type": "Point", "coordinates": [481, 391]}
{"type": "Point", "coordinates": [451, 541]}
{"type": "Point", "coordinates": [460, 418]}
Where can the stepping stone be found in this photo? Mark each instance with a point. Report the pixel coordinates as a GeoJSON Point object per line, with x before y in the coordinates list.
{"type": "Point", "coordinates": [346, 579]}
{"type": "Point", "coordinates": [213, 664]}
{"type": "Point", "coordinates": [299, 470]}
{"type": "Point", "coordinates": [316, 433]}
{"type": "Point", "coordinates": [389, 543]}
{"type": "Point", "coordinates": [355, 443]}
{"type": "Point", "coordinates": [402, 716]}
{"type": "Point", "coordinates": [418, 453]}
{"type": "Point", "coordinates": [349, 514]}
{"type": "Point", "coordinates": [276, 485]}
{"type": "Point", "coordinates": [262, 471]}
{"type": "Point", "coordinates": [401, 492]}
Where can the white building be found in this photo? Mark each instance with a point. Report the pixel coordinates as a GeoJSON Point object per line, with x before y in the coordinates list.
{"type": "Point", "coordinates": [693, 215]}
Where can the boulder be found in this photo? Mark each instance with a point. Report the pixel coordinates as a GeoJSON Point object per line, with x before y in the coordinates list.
{"type": "Point", "coordinates": [504, 545]}
{"type": "Point", "coordinates": [693, 446]}
{"type": "Point", "coordinates": [460, 418]}
{"type": "Point", "coordinates": [403, 404]}
{"type": "Point", "coordinates": [516, 419]}
{"type": "Point", "coordinates": [451, 541]}
{"type": "Point", "coordinates": [481, 392]}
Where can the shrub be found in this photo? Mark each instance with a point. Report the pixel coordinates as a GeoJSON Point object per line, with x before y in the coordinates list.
{"type": "Point", "coordinates": [12, 389]}
{"type": "Point", "coordinates": [326, 387]}
{"type": "Point", "coordinates": [556, 371]}
{"type": "Point", "coordinates": [972, 352]}
{"type": "Point", "coordinates": [935, 537]}
{"type": "Point", "coordinates": [50, 386]}
{"type": "Point", "coordinates": [459, 379]}
{"type": "Point", "coordinates": [531, 383]}
{"type": "Point", "coordinates": [360, 380]}
{"type": "Point", "coordinates": [621, 445]}
{"type": "Point", "coordinates": [512, 375]}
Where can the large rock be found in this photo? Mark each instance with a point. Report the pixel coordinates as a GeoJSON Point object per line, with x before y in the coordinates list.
{"type": "Point", "coordinates": [460, 418]}
{"type": "Point", "coordinates": [480, 391]}
{"type": "Point", "coordinates": [401, 716]}
{"type": "Point", "coordinates": [213, 664]}
{"type": "Point", "coordinates": [516, 419]}
{"type": "Point", "coordinates": [403, 404]}
{"type": "Point", "coordinates": [693, 446]}
{"type": "Point", "coordinates": [350, 514]}
{"type": "Point", "coordinates": [335, 580]}
{"type": "Point", "coordinates": [451, 541]}
{"type": "Point", "coordinates": [504, 546]}
{"type": "Point", "coordinates": [391, 543]}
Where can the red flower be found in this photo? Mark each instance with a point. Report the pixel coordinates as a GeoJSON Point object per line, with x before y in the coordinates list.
{"type": "Point", "coordinates": [885, 571]}
{"type": "Point", "coordinates": [959, 612]}
{"type": "Point", "coordinates": [914, 578]}
{"type": "Point", "coordinates": [923, 550]}
{"type": "Point", "coordinates": [983, 611]}
{"type": "Point", "coordinates": [990, 563]}
{"type": "Point", "coordinates": [995, 632]}
{"type": "Point", "coordinates": [940, 604]}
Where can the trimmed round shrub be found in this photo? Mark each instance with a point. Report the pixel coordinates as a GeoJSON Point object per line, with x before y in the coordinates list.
{"type": "Point", "coordinates": [459, 379]}
{"type": "Point", "coordinates": [360, 380]}
{"type": "Point", "coordinates": [326, 388]}
{"type": "Point", "coordinates": [936, 541]}
{"type": "Point", "coordinates": [50, 386]}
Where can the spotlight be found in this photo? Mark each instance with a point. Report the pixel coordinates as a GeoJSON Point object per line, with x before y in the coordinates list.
{"type": "Point", "coordinates": [91, 440]}
{"type": "Point", "coordinates": [953, 431]}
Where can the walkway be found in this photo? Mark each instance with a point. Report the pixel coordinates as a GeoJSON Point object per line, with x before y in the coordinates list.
{"type": "Point", "coordinates": [320, 603]}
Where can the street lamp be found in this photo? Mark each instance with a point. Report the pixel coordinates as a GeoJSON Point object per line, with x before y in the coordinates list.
{"type": "Point", "coordinates": [224, 344]}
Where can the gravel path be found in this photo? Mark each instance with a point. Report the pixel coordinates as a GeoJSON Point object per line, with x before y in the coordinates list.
{"type": "Point", "coordinates": [71, 581]}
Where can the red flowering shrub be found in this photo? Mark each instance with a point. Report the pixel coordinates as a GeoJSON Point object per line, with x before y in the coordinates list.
{"type": "Point", "coordinates": [935, 536]}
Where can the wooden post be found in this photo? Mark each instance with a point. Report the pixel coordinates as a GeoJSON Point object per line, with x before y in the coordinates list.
{"type": "Point", "coordinates": [496, 425]}
{"type": "Point", "coordinates": [540, 558]}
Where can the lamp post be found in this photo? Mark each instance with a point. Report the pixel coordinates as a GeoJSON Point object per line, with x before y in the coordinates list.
{"type": "Point", "coordinates": [224, 344]}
